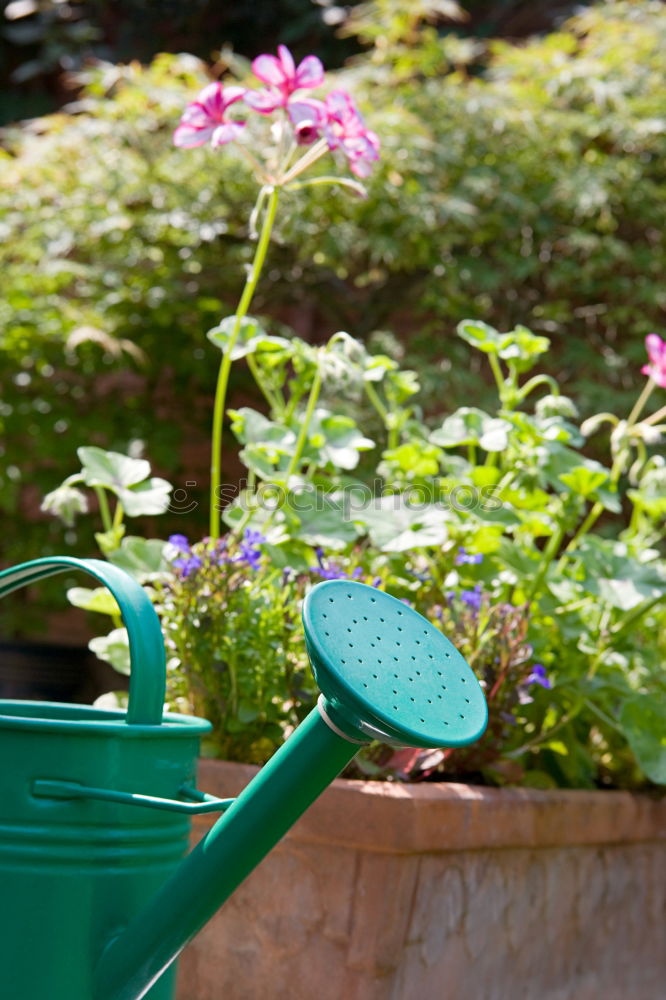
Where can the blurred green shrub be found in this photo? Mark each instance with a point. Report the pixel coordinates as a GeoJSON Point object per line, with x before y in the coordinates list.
{"type": "Point", "coordinates": [532, 194]}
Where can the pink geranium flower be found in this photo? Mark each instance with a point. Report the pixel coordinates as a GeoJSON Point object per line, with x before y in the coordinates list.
{"type": "Point", "coordinates": [656, 349]}
{"type": "Point", "coordinates": [282, 77]}
{"type": "Point", "coordinates": [345, 130]}
{"type": "Point", "coordinates": [308, 118]}
{"type": "Point", "coordinates": [204, 120]}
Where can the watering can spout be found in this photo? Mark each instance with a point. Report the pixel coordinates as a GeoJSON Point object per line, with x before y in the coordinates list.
{"type": "Point", "coordinates": [284, 788]}
{"type": "Point", "coordinates": [385, 673]}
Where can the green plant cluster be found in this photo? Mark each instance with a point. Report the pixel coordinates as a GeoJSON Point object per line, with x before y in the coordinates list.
{"type": "Point", "coordinates": [518, 184]}
{"type": "Point", "coordinates": [486, 522]}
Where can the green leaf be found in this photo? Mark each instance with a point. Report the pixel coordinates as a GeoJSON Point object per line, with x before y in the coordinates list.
{"type": "Point", "coordinates": [521, 347]}
{"type": "Point", "coordinates": [114, 649]}
{"type": "Point", "coordinates": [585, 481]}
{"type": "Point", "coordinates": [617, 577]}
{"type": "Point", "coordinates": [322, 520]}
{"type": "Point", "coordinates": [415, 458]}
{"type": "Point", "coordinates": [342, 440]}
{"type": "Point", "coordinates": [97, 599]}
{"type": "Point", "coordinates": [469, 425]}
{"type": "Point", "coordinates": [150, 497]}
{"type": "Point", "coordinates": [252, 337]}
{"type": "Point", "coordinates": [394, 526]}
{"type": "Point", "coordinates": [112, 470]}
{"type": "Point", "coordinates": [485, 338]}
{"type": "Point", "coordinates": [376, 366]}
{"type": "Point", "coordinates": [142, 558]}
{"type": "Point", "coordinates": [643, 720]}
{"type": "Point", "coordinates": [252, 427]}
{"type": "Point", "coordinates": [560, 461]}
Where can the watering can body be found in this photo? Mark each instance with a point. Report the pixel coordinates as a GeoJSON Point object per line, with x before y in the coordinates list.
{"type": "Point", "coordinates": [95, 810]}
{"type": "Point", "coordinates": [74, 870]}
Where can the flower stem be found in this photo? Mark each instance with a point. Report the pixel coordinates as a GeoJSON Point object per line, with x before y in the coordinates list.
{"type": "Point", "coordinates": [615, 473]}
{"type": "Point", "coordinates": [225, 366]}
{"type": "Point", "coordinates": [548, 555]}
{"type": "Point", "coordinates": [305, 426]}
{"type": "Point", "coordinates": [313, 154]}
{"type": "Point", "coordinates": [497, 372]}
{"type": "Point", "coordinates": [641, 401]}
{"type": "Point", "coordinates": [654, 418]}
{"type": "Point", "coordinates": [104, 508]}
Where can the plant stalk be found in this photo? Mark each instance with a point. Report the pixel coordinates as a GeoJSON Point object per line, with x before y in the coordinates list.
{"type": "Point", "coordinates": [225, 366]}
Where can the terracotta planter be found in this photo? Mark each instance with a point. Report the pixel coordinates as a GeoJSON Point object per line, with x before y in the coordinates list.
{"type": "Point", "coordinates": [444, 892]}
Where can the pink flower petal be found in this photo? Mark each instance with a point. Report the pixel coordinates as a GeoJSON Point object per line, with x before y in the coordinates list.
{"type": "Point", "coordinates": [308, 118]}
{"type": "Point", "coordinates": [307, 109]}
{"type": "Point", "coordinates": [269, 70]}
{"type": "Point", "coordinates": [188, 136]}
{"type": "Point", "coordinates": [226, 133]}
{"type": "Point", "coordinates": [233, 94]}
{"type": "Point", "coordinates": [656, 348]}
{"type": "Point", "coordinates": [211, 100]}
{"type": "Point", "coordinates": [310, 73]}
{"type": "Point", "coordinates": [264, 101]}
{"type": "Point", "coordinates": [287, 60]}
{"type": "Point", "coordinates": [657, 375]}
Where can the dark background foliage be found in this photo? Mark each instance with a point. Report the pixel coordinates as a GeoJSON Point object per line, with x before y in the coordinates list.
{"type": "Point", "coordinates": [518, 183]}
{"type": "Point", "coordinates": [42, 41]}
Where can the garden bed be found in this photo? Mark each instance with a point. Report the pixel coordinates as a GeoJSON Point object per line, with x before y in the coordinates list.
{"type": "Point", "coordinates": [385, 891]}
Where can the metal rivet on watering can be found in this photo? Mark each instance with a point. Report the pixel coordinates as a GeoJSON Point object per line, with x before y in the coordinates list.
{"type": "Point", "coordinates": [384, 673]}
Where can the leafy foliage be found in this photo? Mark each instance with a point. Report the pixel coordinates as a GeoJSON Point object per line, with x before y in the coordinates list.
{"type": "Point", "coordinates": [485, 524]}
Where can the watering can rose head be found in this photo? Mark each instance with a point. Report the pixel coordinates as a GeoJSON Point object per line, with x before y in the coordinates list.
{"type": "Point", "coordinates": [329, 124]}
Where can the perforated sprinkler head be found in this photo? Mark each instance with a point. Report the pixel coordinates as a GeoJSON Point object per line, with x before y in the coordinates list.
{"type": "Point", "coordinates": [386, 673]}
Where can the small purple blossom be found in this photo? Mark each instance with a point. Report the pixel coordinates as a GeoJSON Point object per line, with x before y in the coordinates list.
{"type": "Point", "coordinates": [188, 564]}
{"type": "Point", "coordinates": [331, 570]}
{"type": "Point", "coordinates": [539, 676]}
{"type": "Point", "coordinates": [179, 542]}
{"type": "Point", "coordinates": [248, 550]}
{"type": "Point", "coordinates": [472, 598]}
{"type": "Point", "coordinates": [377, 582]}
{"type": "Point", "coordinates": [472, 558]}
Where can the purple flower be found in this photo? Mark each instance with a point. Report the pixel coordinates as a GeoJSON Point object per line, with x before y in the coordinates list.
{"type": "Point", "coordinates": [282, 77]}
{"type": "Point", "coordinates": [188, 564]}
{"type": "Point", "coordinates": [179, 542]}
{"type": "Point", "coordinates": [539, 676]}
{"type": "Point", "coordinates": [463, 556]}
{"type": "Point", "coordinates": [205, 118]}
{"type": "Point", "coordinates": [472, 598]}
{"type": "Point", "coordinates": [377, 582]}
{"type": "Point", "coordinates": [330, 572]}
{"type": "Point", "coordinates": [248, 550]}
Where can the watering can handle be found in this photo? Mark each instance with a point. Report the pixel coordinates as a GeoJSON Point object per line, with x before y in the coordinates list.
{"type": "Point", "coordinates": [147, 657]}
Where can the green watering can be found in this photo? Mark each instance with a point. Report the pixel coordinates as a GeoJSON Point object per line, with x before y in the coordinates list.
{"type": "Point", "coordinates": [95, 805]}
